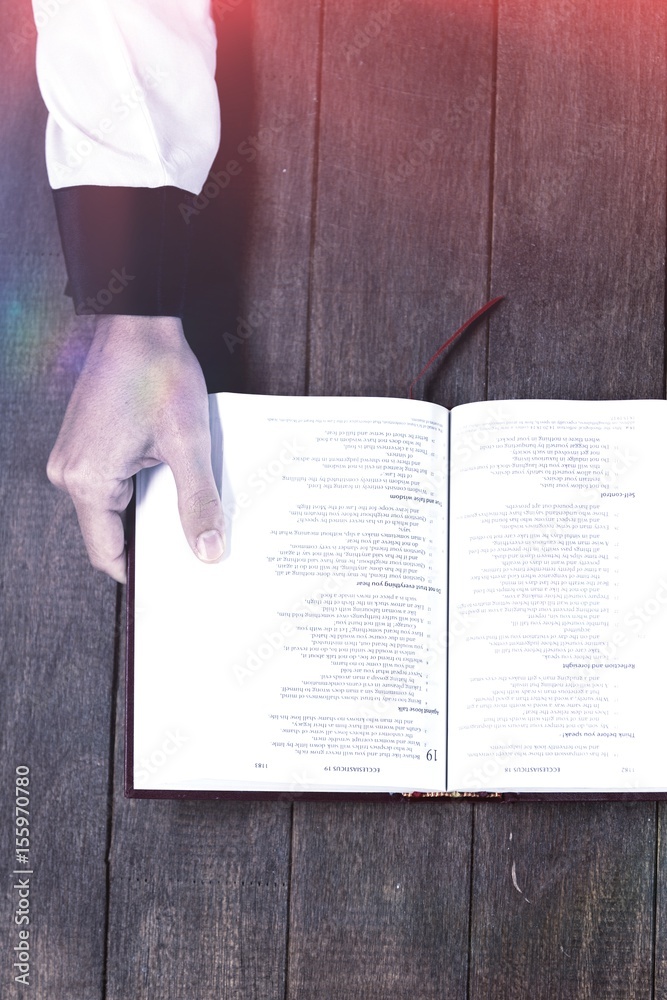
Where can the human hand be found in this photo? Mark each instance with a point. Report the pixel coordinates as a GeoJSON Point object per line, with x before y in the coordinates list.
{"type": "Point", "coordinates": [140, 400]}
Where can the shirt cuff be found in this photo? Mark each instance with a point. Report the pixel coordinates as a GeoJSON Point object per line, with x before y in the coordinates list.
{"type": "Point", "coordinates": [126, 249]}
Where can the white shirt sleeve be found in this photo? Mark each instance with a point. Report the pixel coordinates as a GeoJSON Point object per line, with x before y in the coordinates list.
{"type": "Point", "coordinates": [130, 90]}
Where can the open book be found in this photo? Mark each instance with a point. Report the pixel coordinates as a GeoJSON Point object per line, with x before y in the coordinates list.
{"type": "Point", "coordinates": [410, 600]}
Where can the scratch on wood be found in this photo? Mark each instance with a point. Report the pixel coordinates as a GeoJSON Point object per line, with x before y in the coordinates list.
{"type": "Point", "coordinates": [516, 884]}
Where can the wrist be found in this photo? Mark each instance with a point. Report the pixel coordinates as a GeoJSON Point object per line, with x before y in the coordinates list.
{"type": "Point", "coordinates": [138, 331]}
{"type": "Point", "coordinates": [126, 249]}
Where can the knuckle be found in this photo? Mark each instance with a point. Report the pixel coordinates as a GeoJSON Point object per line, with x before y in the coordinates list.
{"type": "Point", "coordinates": [54, 474]}
{"type": "Point", "coordinates": [75, 480]}
{"type": "Point", "coordinates": [84, 481]}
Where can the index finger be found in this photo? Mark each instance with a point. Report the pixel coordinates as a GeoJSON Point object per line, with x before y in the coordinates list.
{"type": "Point", "coordinates": [104, 536]}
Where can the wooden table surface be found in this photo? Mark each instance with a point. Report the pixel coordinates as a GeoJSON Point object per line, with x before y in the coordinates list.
{"type": "Point", "coordinates": [401, 162]}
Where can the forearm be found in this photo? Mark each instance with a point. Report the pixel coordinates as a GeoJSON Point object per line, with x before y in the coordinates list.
{"type": "Point", "coordinates": [132, 131]}
{"type": "Point", "coordinates": [133, 128]}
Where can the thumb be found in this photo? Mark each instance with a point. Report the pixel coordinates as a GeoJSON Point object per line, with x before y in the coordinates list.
{"type": "Point", "coordinates": [200, 509]}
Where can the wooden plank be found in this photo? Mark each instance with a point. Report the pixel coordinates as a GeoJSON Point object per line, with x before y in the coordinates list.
{"type": "Point", "coordinates": [199, 891]}
{"type": "Point", "coordinates": [56, 676]}
{"type": "Point", "coordinates": [578, 246]}
{"type": "Point", "coordinates": [198, 897]}
{"type": "Point", "coordinates": [401, 244]}
{"type": "Point", "coordinates": [579, 201]}
{"type": "Point", "coordinates": [660, 962]}
{"type": "Point", "coordinates": [400, 259]}
{"type": "Point", "coordinates": [275, 287]}
{"type": "Point", "coordinates": [22, 120]}
{"type": "Point", "coordinates": [57, 629]}
{"type": "Point", "coordinates": [249, 276]}
{"type": "Point", "coordinates": [379, 902]}
{"type": "Point", "coordinates": [562, 901]}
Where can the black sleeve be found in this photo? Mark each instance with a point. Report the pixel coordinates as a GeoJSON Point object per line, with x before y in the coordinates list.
{"type": "Point", "coordinates": [126, 249]}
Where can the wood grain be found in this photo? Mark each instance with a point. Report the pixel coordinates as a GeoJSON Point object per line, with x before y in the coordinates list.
{"type": "Point", "coordinates": [275, 287]}
{"type": "Point", "coordinates": [660, 929]}
{"type": "Point", "coordinates": [353, 243]}
{"type": "Point", "coordinates": [401, 241]}
{"type": "Point", "coordinates": [379, 901]}
{"type": "Point", "coordinates": [579, 200]}
{"type": "Point", "coordinates": [400, 258]}
{"type": "Point", "coordinates": [199, 891]}
{"type": "Point", "coordinates": [562, 903]}
{"type": "Point", "coordinates": [57, 627]}
{"type": "Point", "coordinates": [198, 898]}
{"type": "Point", "coordinates": [578, 246]}
{"type": "Point", "coordinates": [248, 296]}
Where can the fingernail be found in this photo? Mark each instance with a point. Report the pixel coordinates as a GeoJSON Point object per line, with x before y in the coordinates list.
{"type": "Point", "coordinates": [210, 546]}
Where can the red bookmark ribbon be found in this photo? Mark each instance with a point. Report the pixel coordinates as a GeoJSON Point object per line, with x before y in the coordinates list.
{"type": "Point", "coordinates": [462, 329]}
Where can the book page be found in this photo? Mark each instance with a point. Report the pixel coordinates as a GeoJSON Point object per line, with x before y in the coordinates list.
{"type": "Point", "coordinates": [558, 579]}
{"type": "Point", "coordinates": [305, 660]}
